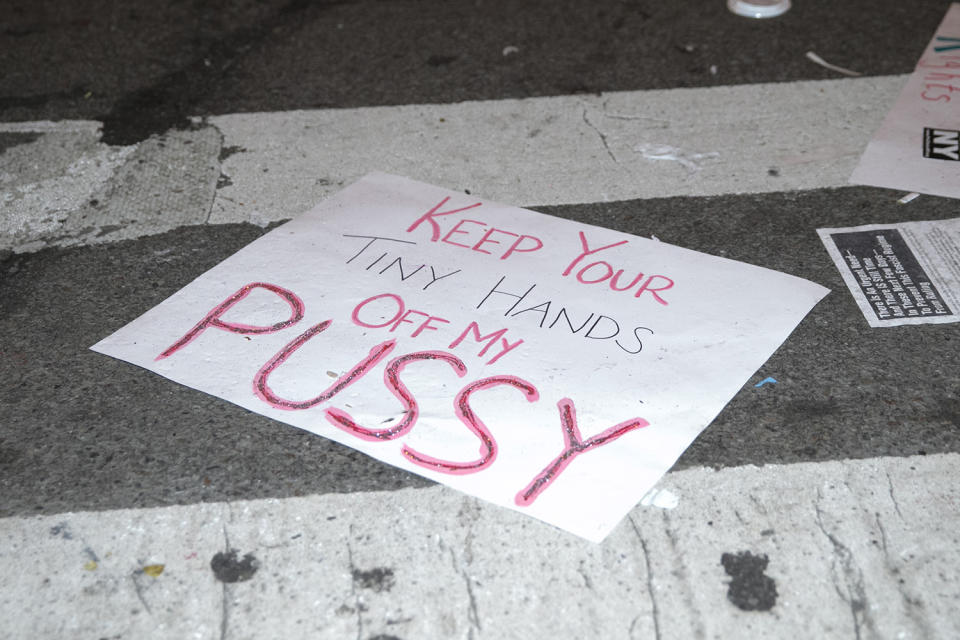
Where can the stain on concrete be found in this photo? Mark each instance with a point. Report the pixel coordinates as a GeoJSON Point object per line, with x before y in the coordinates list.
{"type": "Point", "coordinates": [378, 579]}
{"type": "Point", "coordinates": [63, 531]}
{"type": "Point", "coordinates": [228, 568]}
{"type": "Point", "coordinates": [750, 589]}
{"type": "Point", "coordinates": [227, 151]}
{"type": "Point", "coordinates": [10, 139]}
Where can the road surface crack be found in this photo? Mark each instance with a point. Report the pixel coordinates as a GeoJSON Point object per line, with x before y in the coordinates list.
{"type": "Point", "coordinates": [655, 610]}
{"type": "Point", "coordinates": [473, 614]}
{"type": "Point", "coordinates": [893, 497]}
{"type": "Point", "coordinates": [353, 589]}
{"type": "Point", "coordinates": [225, 594]}
{"type": "Point", "coordinates": [135, 577]}
{"type": "Point", "coordinates": [852, 590]}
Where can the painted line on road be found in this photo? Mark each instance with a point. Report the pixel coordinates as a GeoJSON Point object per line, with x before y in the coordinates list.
{"type": "Point", "coordinates": [560, 150]}
{"type": "Point", "coordinates": [67, 188]}
{"type": "Point", "coordinates": [836, 549]}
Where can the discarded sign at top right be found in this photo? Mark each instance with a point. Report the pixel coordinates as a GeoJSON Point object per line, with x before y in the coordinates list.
{"type": "Point", "coordinates": [917, 148]}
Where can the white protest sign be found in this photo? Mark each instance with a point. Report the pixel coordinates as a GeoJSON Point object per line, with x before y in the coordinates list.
{"type": "Point", "coordinates": [917, 148]}
{"type": "Point", "coordinates": [547, 366]}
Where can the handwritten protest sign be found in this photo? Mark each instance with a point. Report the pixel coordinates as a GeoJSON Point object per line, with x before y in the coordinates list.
{"type": "Point", "coordinates": [917, 148]}
{"type": "Point", "coordinates": [547, 366]}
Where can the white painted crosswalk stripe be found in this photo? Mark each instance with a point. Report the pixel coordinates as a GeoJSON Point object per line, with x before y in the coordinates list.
{"type": "Point", "coordinates": [852, 549]}
{"type": "Point", "coordinates": [561, 150]}
{"type": "Point", "coordinates": [537, 151]}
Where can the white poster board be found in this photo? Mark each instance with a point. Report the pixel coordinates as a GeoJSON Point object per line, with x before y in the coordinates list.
{"type": "Point", "coordinates": [544, 365]}
{"type": "Point", "coordinates": [917, 148]}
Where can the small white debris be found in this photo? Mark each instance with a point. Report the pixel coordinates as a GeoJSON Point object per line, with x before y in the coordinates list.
{"type": "Point", "coordinates": [909, 198]}
{"type": "Point", "coordinates": [689, 159]}
{"type": "Point", "coordinates": [660, 498]}
{"type": "Point", "coordinates": [510, 50]}
{"type": "Point", "coordinates": [823, 63]}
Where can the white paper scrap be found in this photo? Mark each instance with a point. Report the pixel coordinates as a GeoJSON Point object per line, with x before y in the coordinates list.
{"type": "Point", "coordinates": [917, 148]}
{"type": "Point", "coordinates": [551, 367]}
{"type": "Point", "coordinates": [907, 273]}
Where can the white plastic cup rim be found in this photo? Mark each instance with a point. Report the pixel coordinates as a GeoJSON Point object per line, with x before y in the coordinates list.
{"type": "Point", "coordinates": [759, 8]}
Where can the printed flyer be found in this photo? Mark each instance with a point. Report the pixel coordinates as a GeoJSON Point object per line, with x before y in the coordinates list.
{"type": "Point", "coordinates": [907, 273]}
{"type": "Point", "coordinates": [547, 366]}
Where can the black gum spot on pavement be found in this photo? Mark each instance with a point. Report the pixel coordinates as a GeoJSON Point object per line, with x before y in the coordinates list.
{"type": "Point", "coordinates": [378, 579]}
{"type": "Point", "coordinates": [749, 590]}
{"type": "Point", "coordinates": [228, 568]}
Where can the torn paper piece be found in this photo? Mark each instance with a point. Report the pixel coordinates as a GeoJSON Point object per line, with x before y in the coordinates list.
{"type": "Point", "coordinates": [917, 148]}
{"type": "Point", "coordinates": [547, 366]}
{"type": "Point", "coordinates": [908, 273]}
